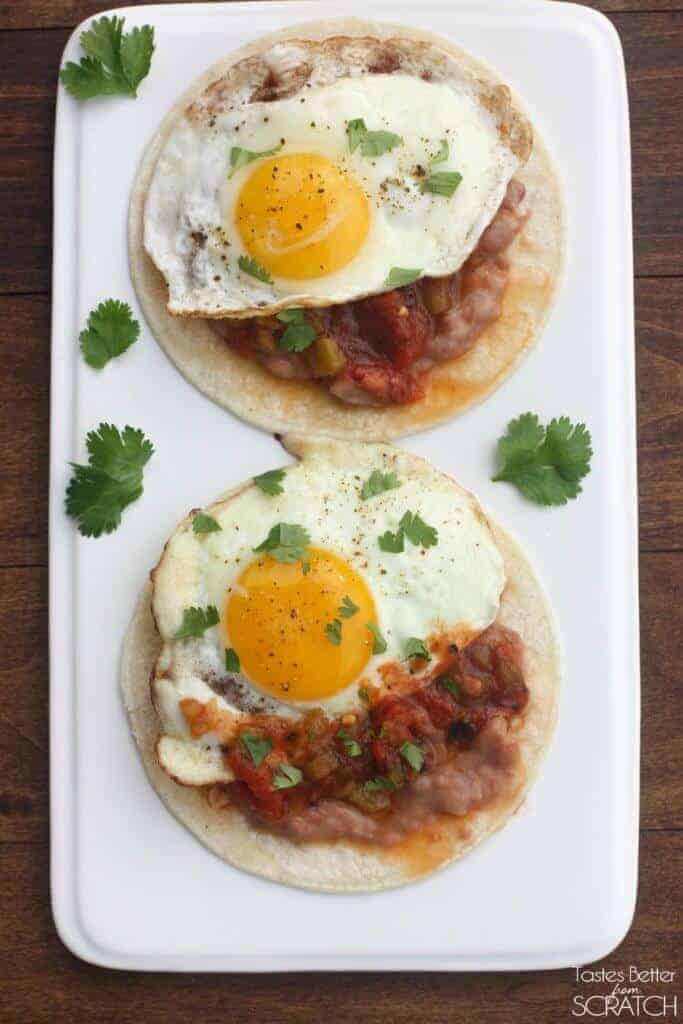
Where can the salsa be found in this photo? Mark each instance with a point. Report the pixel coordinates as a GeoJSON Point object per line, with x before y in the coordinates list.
{"type": "Point", "coordinates": [379, 350]}
{"type": "Point", "coordinates": [369, 760]}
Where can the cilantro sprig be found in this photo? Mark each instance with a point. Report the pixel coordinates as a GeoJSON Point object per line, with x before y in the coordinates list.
{"type": "Point", "coordinates": [202, 523]}
{"type": "Point", "coordinates": [298, 335]}
{"type": "Point", "coordinates": [111, 329]}
{"type": "Point", "coordinates": [286, 542]}
{"type": "Point", "coordinates": [196, 621]}
{"type": "Point", "coordinates": [379, 482]}
{"type": "Point", "coordinates": [115, 63]}
{"type": "Point", "coordinates": [412, 526]}
{"type": "Point", "coordinates": [371, 143]}
{"type": "Point", "coordinates": [99, 491]}
{"type": "Point", "coordinates": [270, 482]}
{"type": "Point", "coordinates": [545, 463]}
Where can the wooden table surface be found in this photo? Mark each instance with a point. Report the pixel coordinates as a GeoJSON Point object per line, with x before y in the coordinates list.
{"type": "Point", "coordinates": [39, 979]}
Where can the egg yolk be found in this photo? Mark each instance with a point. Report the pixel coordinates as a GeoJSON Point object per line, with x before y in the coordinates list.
{"type": "Point", "coordinates": [276, 616]}
{"type": "Point", "coordinates": [301, 216]}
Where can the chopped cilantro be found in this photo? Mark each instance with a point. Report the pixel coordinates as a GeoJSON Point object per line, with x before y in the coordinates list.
{"type": "Point", "coordinates": [352, 747]}
{"type": "Point", "coordinates": [240, 157]}
{"type": "Point", "coordinates": [196, 621]}
{"type": "Point", "coordinates": [371, 143]}
{"type": "Point", "coordinates": [297, 338]}
{"type": "Point", "coordinates": [98, 493]}
{"type": "Point", "coordinates": [258, 747]}
{"type": "Point", "coordinates": [417, 531]}
{"type": "Point", "coordinates": [232, 660]}
{"type": "Point", "coordinates": [415, 648]}
{"type": "Point", "coordinates": [378, 482]}
{"type": "Point", "coordinates": [450, 685]}
{"type": "Point", "coordinates": [379, 644]}
{"type": "Point", "coordinates": [254, 269]}
{"type": "Point", "coordinates": [333, 632]}
{"type": "Point", "coordinates": [391, 542]}
{"type": "Point", "coordinates": [347, 608]}
{"type": "Point", "coordinates": [545, 463]}
{"type": "Point", "coordinates": [442, 183]}
{"type": "Point", "coordinates": [363, 694]}
{"type": "Point", "coordinates": [111, 329]}
{"type": "Point", "coordinates": [411, 753]}
{"type": "Point", "coordinates": [378, 783]}
{"type": "Point", "coordinates": [204, 524]}
{"type": "Point", "coordinates": [287, 776]}
{"type": "Point", "coordinates": [270, 482]}
{"type": "Point", "coordinates": [114, 64]}
{"type": "Point", "coordinates": [286, 542]}
{"type": "Point", "coordinates": [398, 277]}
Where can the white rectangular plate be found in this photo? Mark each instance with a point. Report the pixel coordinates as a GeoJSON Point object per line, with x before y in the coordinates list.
{"type": "Point", "coordinates": [131, 888]}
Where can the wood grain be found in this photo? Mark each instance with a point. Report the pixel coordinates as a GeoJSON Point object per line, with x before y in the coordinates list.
{"type": "Point", "coordinates": [40, 981]}
{"type": "Point", "coordinates": [38, 973]}
{"type": "Point", "coordinates": [24, 421]}
{"type": "Point", "coordinates": [69, 13]}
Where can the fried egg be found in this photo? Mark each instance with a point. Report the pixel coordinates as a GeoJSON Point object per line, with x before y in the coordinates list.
{"type": "Point", "coordinates": [312, 627]}
{"type": "Point", "coordinates": [265, 205]}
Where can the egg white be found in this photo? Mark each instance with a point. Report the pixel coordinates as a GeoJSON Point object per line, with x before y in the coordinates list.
{"type": "Point", "coordinates": [192, 193]}
{"type": "Point", "coordinates": [452, 587]}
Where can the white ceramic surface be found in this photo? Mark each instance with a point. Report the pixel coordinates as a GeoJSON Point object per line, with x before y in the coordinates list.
{"type": "Point", "coordinates": [131, 888]}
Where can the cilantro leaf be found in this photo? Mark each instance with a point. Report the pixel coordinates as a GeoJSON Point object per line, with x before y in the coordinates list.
{"type": "Point", "coordinates": [442, 154]}
{"type": "Point", "coordinates": [379, 644]}
{"type": "Point", "coordinates": [371, 143]}
{"type": "Point", "coordinates": [254, 269]}
{"type": "Point", "coordinates": [411, 753]}
{"type": "Point", "coordinates": [196, 621]}
{"type": "Point", "coordinates": [363, 693]}
{"type": "Point", "coordinates": [333, 632]}
{"type": "Point", "coordinates": [297, 337]}
{"type": "Point", "coordinates": [377, 143]}
{"type": "Point", "coordinates": [258, 747]}
{"type": "Point", "coordinates": [398, 277]}
{"type": "Point", "coordinates": [114, 64]}
{"type": "Point", "coordinates": [347, 608]}
{"type": "Point", "coordinates": [240, 157]}
{"type": "Point", "coordinates": [545, 464]}
{"type": "Point", "coordinates": [442, 183]}
{"type": "Point", "coordinates": [99, 491]}
{"type": "Point", "coordinates": [378, 482]}
{"type": "Point", "coordinates": [378, 783]}
{"type": "Point", "coordinates": [270, 482]}
{"type": "Point", "coordinates": [450, 685]}
{"type": "Point", "coordinates": [355, 133]}
{"type": "Point", "coordinates": [232, 660]}
{"type": "Point", "coordinates": [287, 776]}
{"type": "Point", "coordinates": [204, 524]}
{"type": "Point", "coordinates": [352, 747]}
{"type": "Point", "coordinates": [286, 542]}
{"type": "Point", "coordinates": [417, 531]}
{"type": "Point", "coordinates": [110, 331]}
{"type": "Point", "coordinates": [291, 316]}
{"type": "Point", "coordinates": [391, 542]}
{"type": "Point", "coordinates": [415, 648]}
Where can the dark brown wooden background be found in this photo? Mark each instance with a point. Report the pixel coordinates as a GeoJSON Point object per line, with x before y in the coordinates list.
{"type": "Point", "coordinates": [39, 980]}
